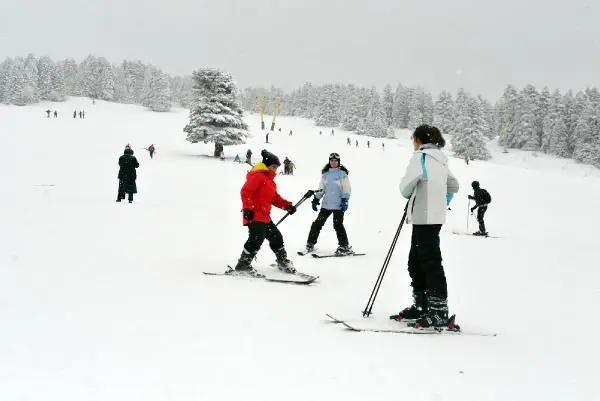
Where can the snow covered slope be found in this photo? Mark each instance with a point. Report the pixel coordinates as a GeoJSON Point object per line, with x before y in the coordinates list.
{"type": "Point", "coordinates": [107, 301]}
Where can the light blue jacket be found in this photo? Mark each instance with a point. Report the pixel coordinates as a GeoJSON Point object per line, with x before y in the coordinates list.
{"type": "Point", "coordinates": [334, 186]}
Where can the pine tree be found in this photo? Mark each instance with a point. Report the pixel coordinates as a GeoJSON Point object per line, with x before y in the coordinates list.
{"type": "Point", "coordinates": [444, 113]}
{"type": "Point", "coordinates": [352, 110]}
{"type": "Point", "coordinates": [427, 109]}
{"type": "Point", "coordinates": [524, 136]}
{"type": "Point", "coordinates": [328, 109]}
{"type": "Point", "coordinates": [215, 113]}
{"type": "Point", "coordinates": [58, 93]}
{"type": "Point", "coordinates": [159, 93]}
{"type": "Point", "coordinates": [388, 104]}
{"type": "Point", "coordinates": [467, 140]}
{"type": "Point", "coordinates": [587, 133]}
{"type": "Point", "coordinates": [374, 124]}
{"type": "Point", "coordinates": [415, 109]}
{"type": "Point", "coordinates": [45, 73]}
{"type": "Point", "coordinates": [508, 116]}
{"type": "Point", "coordinates": [401, 107]}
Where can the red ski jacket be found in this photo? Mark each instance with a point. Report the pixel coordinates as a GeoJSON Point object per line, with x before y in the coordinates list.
{"type": "Point", "coordinates": [260, 192]}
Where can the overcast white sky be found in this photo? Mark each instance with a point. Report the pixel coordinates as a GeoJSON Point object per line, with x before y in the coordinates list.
{"type": "Point", "coordinates": [480, 45]}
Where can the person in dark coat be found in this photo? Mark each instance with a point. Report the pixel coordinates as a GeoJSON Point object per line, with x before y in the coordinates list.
{"type": "Point", "coordinates": [127, 174]}
{"type": "Point", "coordinates": [151, 149]}
{"type": "Point", "coordinates": [482, 199]}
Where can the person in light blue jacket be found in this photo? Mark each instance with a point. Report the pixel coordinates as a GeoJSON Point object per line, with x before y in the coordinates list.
{"type": "Point", "coordinates": [334, 192]}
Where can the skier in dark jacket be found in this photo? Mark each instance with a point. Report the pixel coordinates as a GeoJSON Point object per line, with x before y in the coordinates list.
{"type": "Point", "coordinates": [482, 200]}
{"type": "Point", "coordinates": [127, 174]}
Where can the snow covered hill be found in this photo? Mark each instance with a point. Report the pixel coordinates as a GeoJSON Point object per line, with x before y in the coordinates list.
{"type": "Point", "coordinates": [107, 301]}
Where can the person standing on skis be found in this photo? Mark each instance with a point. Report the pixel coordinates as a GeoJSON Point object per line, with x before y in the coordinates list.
{"type": "Point", "coordinates": [429, 185]}
{"type": "Point", "coordinates": [259, 193]}
{"type": "Point", "coordinates": [482, 199]}
{"type": "Point", "coordinates": [334, 189]}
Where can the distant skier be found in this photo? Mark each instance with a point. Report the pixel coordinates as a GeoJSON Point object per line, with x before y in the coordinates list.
{"type": "Point", "coordinates": [74, 113]}
{"type": "Point", "coordinates": [334, 189]}
{"type": "Point", "coordinates": [482, 200]}
{"type": "Point", "coordinates": [151, 150]}
{"type": "Point", "coordinates": [429, 185]}
{"type": "Point", "coordinates": [127, 174]}
{"type": "Point", "coordinates": [348, 141]}
{"type": "Point", "coordinates": [258, 194]}
{"type": "Point", "coordinates": [55, 114]}
{"type": "Point", "coordinates": [48, 112]}
{"type": "Point", "coordinates": [249, 157]}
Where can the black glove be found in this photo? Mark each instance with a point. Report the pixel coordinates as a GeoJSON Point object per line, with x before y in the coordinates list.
{"type": "Point", "coordinates": [470, 197]}
{"type": "Point", "coordinates": [473, 208]}
{"type": "Point", "coordinates": [309, 193]}
{"type": "Point", "coordinates": [315, 204]}
{"type": "Point", "coordinates": [248, 214]}
{"type": "Point", "coordinates": [291, 209]}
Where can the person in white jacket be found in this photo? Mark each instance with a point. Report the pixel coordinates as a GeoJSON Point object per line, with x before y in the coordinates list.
{"type": "Point", "coordinates": [429, 187]}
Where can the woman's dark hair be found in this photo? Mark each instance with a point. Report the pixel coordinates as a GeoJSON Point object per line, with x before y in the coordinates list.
{"type": "Point", "coordinates": [429, 134]}
{"type": "Point", "coordinates": [341, 167]}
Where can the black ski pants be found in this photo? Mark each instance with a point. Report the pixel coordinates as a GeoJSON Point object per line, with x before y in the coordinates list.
{"type": "Point", "coordinates": [480, 213]}
{"type": "Point", "coordinates": [338, 226]}
{"type": "Point", "coordinates": [122, 190]}
{"type": "Point", "coordinates": [425, 260]}
{"type": "Point", "coordinates": [257, 232]}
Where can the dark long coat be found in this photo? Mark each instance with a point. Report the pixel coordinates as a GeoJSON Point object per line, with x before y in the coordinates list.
{"type": "Point", "coordinates": [127, 173]}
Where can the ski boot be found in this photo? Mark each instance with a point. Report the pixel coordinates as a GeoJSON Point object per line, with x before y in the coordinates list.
{"type": "Point", "coordinates": [310, 247]}
{"type": "Point", "coordinates": [415, 311]}
{"type": "Point", "coordinates": [480, 233]}
{"type": "Point", "coordinates": [283, 263]}
{"type": "Point", "coordinates": [344, 250]}
{"type": "Point", "coordinates": [244, 266]}
{"type": "Point", "coordinates": [436, 315]}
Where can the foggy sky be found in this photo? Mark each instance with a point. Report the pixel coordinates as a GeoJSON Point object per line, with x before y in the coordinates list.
{"type": "Point", "coordinates": [480, 45]}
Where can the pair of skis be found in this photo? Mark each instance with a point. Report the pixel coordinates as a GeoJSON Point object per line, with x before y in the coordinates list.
{"type": "Point", "coordinates": [271, 275]}
{"type": "Point", "coordinates": [370, 324]}
{"type": "Point", "coordinates": [314, 254]}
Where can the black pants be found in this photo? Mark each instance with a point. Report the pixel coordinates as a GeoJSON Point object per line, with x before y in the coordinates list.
{"type": "Point", "coordinates": [257, 232]}
{"type": "Point", "coordinates": [425, 260]}
{"type": "Point", "coordinates": [122, 190]}
{"type": "Point", "coordinates": [338, 226]}
{"type": "Point", "coordinates": [480, 213]}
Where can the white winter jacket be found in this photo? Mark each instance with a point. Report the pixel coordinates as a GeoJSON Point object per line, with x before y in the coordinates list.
{"type": "Point", "coordinates": [429, 185]}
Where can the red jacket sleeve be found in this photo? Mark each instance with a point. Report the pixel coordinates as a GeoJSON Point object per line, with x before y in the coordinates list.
{"type": "Point", "coordinates": [279, 202]}
{"type": "Point", "coordinates": [249, 189]}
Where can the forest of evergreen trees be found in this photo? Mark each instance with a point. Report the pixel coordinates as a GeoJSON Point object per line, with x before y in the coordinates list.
{"type": "Point", "coordinates": [29, 80]}
{"type": "Point", "coordinates": [564, 125]}
{"type": "Point", "coordinates": [561, 124]}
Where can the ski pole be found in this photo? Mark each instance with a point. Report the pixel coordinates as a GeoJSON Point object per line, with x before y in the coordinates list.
{"type": "Point", "coordinates": [386, 263]}
{"type": "Point", "coordinates": [307, 195]}
{"type": "Point", "coordinates": [468, 210]}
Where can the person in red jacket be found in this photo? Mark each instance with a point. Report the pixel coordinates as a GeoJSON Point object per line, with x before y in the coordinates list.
{"type": "Point", "coordinates": [259, 193]}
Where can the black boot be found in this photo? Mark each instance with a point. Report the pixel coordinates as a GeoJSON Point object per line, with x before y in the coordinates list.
{"type": "Point", "coordinates": [437, 312]}
{"type": "Point", "coordinates": [283, 263]}
{"type": "Point", "coordinates": [244, 265]}
{"type": "Point", "coordinates": [416, 310]}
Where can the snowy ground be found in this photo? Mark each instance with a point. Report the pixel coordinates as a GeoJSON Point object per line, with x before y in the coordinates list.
{"type": "Point", "coordinates": [106, 301]}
